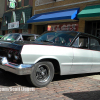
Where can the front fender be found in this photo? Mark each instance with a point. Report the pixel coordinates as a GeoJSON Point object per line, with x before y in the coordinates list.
{"type": "Point", "coordinates": [45, 57]}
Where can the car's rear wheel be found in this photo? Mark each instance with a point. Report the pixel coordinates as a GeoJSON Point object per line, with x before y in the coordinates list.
{"type": "Point", "coordinates": [42, 74]}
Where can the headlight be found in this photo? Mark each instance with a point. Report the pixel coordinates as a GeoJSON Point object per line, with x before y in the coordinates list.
{"type": "Point", "coordinates": [10, 52]}
{"type": "Point", "coordinates": [16, 55]}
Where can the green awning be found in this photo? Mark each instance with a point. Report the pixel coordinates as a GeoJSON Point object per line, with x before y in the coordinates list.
{"type": "Point", "coordinates": [90, 11]}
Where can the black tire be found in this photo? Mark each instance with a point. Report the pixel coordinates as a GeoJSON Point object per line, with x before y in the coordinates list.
{"type": "Point", "coordinates": [2, 71]}
{"type": "Point", "coordinates": [42, 74]}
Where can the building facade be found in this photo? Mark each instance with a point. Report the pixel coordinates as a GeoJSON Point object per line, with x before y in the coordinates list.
{"type": "Point", "coordinates": [17, 12]}
{"type": "Point", "coordinates": [2, 5]}
{"type": "Point", "coordinates": [51, 15]}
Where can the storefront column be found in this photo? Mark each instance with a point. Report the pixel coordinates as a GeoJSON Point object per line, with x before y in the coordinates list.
{"type": "Point", "coordinates": [6, 32]}
{"type": "Point", "coordinates": [34, 29]}
{"type": "Point", "coordinates": [81, 27]}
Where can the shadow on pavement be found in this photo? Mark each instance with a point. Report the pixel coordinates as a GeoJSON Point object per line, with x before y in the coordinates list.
{"type": "Point", "coordinates": [88, 95]}
{"type": "Point", "coordinates": [64, 77]}
{"type": "Point", "coordinates": [10, 79]}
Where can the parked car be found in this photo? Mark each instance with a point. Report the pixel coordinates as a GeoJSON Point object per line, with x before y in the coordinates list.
{"type": "Point", "coordinates": [19, 37]}
{"type": "Point", "coordinates": [1, 36]}
{"type": "Point", "coordinates": [61, 52]}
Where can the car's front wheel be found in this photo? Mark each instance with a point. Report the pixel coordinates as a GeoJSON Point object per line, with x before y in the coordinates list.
{"type": "Point", "coordinates": [42, 74]}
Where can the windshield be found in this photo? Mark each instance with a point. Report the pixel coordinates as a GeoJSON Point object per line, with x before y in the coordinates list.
{"type": "Point", "coordinates": [61, 38]}
{"type": "Point", "coordinates": [10, 37]}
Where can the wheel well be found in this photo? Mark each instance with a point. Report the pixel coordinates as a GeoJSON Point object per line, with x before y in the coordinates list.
{"type": "Point", "coordinates": [55, 64]}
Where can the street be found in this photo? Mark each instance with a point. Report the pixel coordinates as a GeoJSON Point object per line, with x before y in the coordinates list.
{"type": "Point", "coordinates": [69, 87]}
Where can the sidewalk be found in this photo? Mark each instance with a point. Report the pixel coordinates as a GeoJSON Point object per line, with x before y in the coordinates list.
{"type": "Point", "coordinates": [69, 87]}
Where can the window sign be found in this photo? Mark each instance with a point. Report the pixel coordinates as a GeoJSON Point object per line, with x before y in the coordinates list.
{"type": "Point", "coordinates": [64, 27]}
{"type": "Point", "coordinates": [13, 25]}
{"type": "Point", "coordinates": [12, 3]}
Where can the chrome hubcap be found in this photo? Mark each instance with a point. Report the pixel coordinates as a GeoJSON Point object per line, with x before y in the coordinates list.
{"type": "Point", "coordinates": [42, 73]}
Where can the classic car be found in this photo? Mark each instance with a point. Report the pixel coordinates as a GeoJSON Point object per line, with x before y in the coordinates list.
{"type": "Point", "coordinates": [60, 52]}
{"type": "Point", "coordinates": [19, 37]}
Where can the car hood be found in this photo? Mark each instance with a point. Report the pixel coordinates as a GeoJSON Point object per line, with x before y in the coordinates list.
{"type": "Point", "coordinates": [9, 44]}
{"type": "Point", "coordinates": [35, 42]}
{"type": "Point", "coordinates": [19, 44]}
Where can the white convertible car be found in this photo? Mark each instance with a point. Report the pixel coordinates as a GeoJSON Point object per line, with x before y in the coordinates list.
{"type": "Point", "coordinates": [62, 52]}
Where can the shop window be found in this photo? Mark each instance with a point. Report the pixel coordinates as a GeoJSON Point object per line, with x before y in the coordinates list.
{"type": "Point", "coordinates": [5, 21]}
{"type": "Point", "coordinates": [13, 17]}
{"type": "Point", "coordinates": [93, 27]}
{"type": "Point", "coordinates": [26, 2]}
{"type": "Point", "coordinates": [19, 3]}
{"type": "Point", "coordinates": [22, 19]}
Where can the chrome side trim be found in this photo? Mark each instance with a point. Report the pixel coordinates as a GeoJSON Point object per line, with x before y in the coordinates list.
{"type": "Point", "coordinates": [21, 69]}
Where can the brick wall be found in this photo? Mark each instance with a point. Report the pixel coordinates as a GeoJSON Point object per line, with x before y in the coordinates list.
{"type": "Point", "coordinates": [22, 3]}
{"type": "Point", "coordinates": [31, 2]}
{"type": "Point", "coordinates": [66, 4]}
{"type": "Point", "coordinates": [42, 2]}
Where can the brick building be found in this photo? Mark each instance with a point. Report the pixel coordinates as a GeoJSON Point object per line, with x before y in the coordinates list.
{"type": "Point", "coordinates": [2, 3]}
{"type": "Point", "coordinates": [17, 12]}
{"type": "Point", "coordinates": [77, 15]}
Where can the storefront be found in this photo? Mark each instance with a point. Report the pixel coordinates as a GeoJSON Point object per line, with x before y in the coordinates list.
{"type": "Point", "coordinates": [15, 21]}
{"type": "Point", "coordinates": [57, 20]}
{"type": "Point", "coordinates": [91, 15]}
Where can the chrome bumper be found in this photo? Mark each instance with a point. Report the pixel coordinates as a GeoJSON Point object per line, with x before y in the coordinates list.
{"type": "Point", "coordinates": [21, 69]}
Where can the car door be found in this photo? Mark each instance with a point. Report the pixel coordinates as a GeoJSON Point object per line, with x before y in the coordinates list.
{"type": "Point", "coordinates": [95, 48]}
{"type": "Point", "coordinates": [82, 61]}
